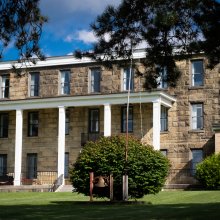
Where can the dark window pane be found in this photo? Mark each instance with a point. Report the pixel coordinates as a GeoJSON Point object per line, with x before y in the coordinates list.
{"type": "Point", "coordinates": [94, 120]}
{"type": "Point", "coordinates": [4, 121]}
{"type": "Point", "coordinates": [124, 121]}
{"type": "Point", "coordinates": [33, 123]}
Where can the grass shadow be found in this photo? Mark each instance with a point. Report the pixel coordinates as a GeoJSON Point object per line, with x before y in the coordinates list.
{"type": "Point", "coordinates": [105, 210]}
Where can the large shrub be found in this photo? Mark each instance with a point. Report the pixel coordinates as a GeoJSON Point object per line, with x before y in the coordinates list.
{"type": "Point", "coordinates": [147, 169]}
{"type": "Point", "coordinates": [208, 172]}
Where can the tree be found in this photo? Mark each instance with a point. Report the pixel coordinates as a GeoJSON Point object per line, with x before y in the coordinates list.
{"type": "Point", "coordinates": [171, 30]}
{"type": "Point", "coordinates": [21, 22]}
{"type": "Point", "coordinates": [208, 172]}
{"type": "Point", "coordinates": [147, 169]}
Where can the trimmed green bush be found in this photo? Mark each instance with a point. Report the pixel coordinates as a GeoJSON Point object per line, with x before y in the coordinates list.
{"type": "Point", "coordinates": [147, 169]}
{"type": "Point", "coordinates": [208, 172]}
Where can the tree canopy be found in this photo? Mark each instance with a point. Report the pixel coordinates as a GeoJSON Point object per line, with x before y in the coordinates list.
{"type": "Point", "coordinates": [170, 30]}
{"type": "Point", "coordinates": [21, 23]}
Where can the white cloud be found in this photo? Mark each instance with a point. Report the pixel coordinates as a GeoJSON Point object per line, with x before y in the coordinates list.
{"type": "Point", "coordinates": [85, 36]}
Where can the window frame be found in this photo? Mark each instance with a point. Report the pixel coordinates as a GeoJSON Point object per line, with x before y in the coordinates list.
{"type": "Point", "coordinates": [66, 165]}
{"type": "Point", "coordinates": [5, 87]}
{"type": "Point", "coordinates": [90, 127]}
{"type": "Point", "coordinates": [194, 83]}
{"type": "Point", "coordinates": [194, 117]}
{"type": "Point", "coordinates": [193, 164]}
{"type": "Point", "coordinates": [163, 119]}
{"type": "Point", "coordinates": [64, 86]}
{"type": "Point", "coordinates": [3, 133]}
{"type": "Point", "coordinates": [125, 73]}
{"type": "Point", "coordinates": [35, 85]}
{"type": "Point", "coordinates": [124, 119]}
{"type": "Point", "coordinates": [29, 173]}
{"type": "Point", "coordinates": [3, 166]}
{"type": "Point", "coordinates": [67, 121]}
{"type": "Point", "coordinates": [31, 126]}
{"type": "Point", "coordinates": [162, 79]}
{"type": "Point", "coordinates": [92, 80]}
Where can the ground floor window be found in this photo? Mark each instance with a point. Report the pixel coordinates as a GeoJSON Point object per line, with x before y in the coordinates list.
{"type": "Point", "coordinates": [164, 119]}
{"type": "Point", "coordinates": [197, 157]}
{"type": "Point", "coordinates": [31, 166]}
{"type": "Point", "coordinates": [66, 171]}
{"type": "Point", "coordinates": [3, 164]}
{"type": "Point", "coordinates": [4, 125]}
{"type": "Point", "coordinates": [124, 119]}
{"type": "Point", "coordinates": [93, 120]}
{"type": "Point", "coordinates": [33, 123]}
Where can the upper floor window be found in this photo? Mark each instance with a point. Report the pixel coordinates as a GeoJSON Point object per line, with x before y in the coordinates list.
{"type": "Point", "coordinates": [197, 116]}
{"type": "Point", "coordinates": [33, 123]}
{"type": "Point", "coordinates": [34, 84]}
{"type": "Point", "coordinates": [4, 125]}
{"type": "Point", "coordinates": [124, 120]}
{"type": "Point", "coordinates": [164, 119]}
{"type": "Point", "coordinates": [65, 82]}
{"type": "Point", "coordinates": [162, 79]}
{"type": "Point", "coordinates": [5, 83]}
{"type": "Point", "coordinates": [128, 79]}
{"type": "Point", "coordinates": [93, 120]}
{"type": "Point", "coordinates": [95, 77]}
{"type": "Point", "coordinates": [197, 72]}
{"type": "Point", "coordinates": [3, 164]}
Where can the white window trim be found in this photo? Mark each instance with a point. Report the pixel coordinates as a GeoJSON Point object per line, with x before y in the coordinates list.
{"type": "Point", "coordinates": [122, 80]}
{"type": "Point", "coordinates": [160, 80]}
{"type": "Point", "coordinates": [90, 79]}
{"type": "Point", "coordinates": [1, 86]}
{"type": "Point", "coordinates": [192, 74]}
{"type": "Point", "coordinates": [191, 111]}
{"type": "Point", "coordinates": [29, 84]}
{"type": "Point", "coordinates": [60, 81]}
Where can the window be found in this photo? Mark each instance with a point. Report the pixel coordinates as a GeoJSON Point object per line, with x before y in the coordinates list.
{"type": "Point", "coordinates": [3, 164]}
{"type": "Point", "coordinates": [197, 157]}
{"type": "Point", "coordinates": [197, 72]}
{"type": "Point", "coordinates": [164, 119]}
{"type": "Point", "coordinates": [31, 166]}
{"type": "Point", "coordinates": [34, 84]}
{"type": "Point", "coordinates": [197, 116]}
{"type": "Point", "coordinates": [67, 125]}
{"type": "Point", "coordinates": [93, 120]}
{"type": "Point", "coordinates": [124, 121]}
{"type": "Point", "coordinates": [95, 76]}
{"type": "Point", "coordinates": [33, 123]}
{"type": "Point", "coordinates": [162, 79]}
{"type": "Point", "coordinates": [4, 121]}
{"type": "Point", "coordinates": [66, 169]}
{"type": "Point", "coordinates": [126, 78]}
{"type": "Point", "coordinates": [5, 83]}
{"type": "Point", "coordinates": [164, 152]}
{"type": "Point", "coordinates": [65, 82]}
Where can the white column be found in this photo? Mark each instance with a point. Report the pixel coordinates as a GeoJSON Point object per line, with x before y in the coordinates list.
{"type": "Point", "coordinates": [18, 147]}
{"type": "Point", "coordinates": [61, 142]}
{"type": "Point", "coordinates": [156, 125]}
{"type": "Point", "coordinates": [107, 120]}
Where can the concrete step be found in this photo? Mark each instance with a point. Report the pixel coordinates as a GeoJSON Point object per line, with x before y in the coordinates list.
{"type": "Point", "coordinates": [65, 188]}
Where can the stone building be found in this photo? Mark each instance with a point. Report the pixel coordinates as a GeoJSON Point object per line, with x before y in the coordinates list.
{"type": "Point", "coordinates": [51, 109]}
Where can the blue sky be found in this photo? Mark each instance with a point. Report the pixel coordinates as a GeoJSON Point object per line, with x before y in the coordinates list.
{"type": "Point", "coordinates": [68, 27]}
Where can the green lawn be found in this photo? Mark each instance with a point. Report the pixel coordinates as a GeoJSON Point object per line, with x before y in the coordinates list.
{"type": "Point", "coordinates": [165, 205]}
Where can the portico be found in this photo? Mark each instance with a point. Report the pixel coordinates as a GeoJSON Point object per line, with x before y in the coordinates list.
{"type": "Point", "coordinates": [155, 99]}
